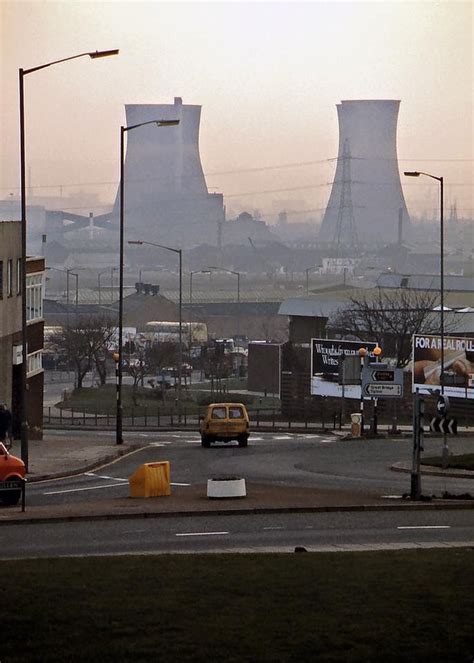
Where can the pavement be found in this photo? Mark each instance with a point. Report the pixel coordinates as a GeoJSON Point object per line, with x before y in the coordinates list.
{"type": "Point", "coordinates": [62, 455]}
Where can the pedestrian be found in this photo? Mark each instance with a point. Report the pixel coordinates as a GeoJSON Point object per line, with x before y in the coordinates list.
{"type": "Point", "coordinates": [5, 425]}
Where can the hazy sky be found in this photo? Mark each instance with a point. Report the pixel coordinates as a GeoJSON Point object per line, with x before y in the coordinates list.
{"type": "Point", "coordinates": [268, 76]}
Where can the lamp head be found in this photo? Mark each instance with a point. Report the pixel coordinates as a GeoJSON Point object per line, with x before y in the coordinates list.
{"type": "Point", "coordinates": [103, 54]}
{"type": "Point", "coordinates": [412, 173]}
{"type": "Point", "coordinates": [167, 123]}
{"type": "Point", "coordinates": [135, 241]}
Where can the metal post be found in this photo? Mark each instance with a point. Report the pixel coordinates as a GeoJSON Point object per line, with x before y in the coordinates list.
{"type": "Point", "coordinates": [118, 428]}
{"type": "Point", "coordinates": [418, 420]}
{"type": "Point", "coordinates": [24, 331]}
{"type": "Point", "coordinates": [180, 352]}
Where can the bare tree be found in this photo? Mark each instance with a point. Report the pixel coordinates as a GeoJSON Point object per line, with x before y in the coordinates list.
{"type": "Point", "coordinates": [86, 343]}
{"type": "Point", "coordinates": [391, 319]}
{"type": "Point", "coordinates": [137, 366]}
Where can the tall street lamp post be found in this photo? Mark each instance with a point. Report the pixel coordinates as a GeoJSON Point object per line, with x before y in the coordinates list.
{"type": "Point", "coordinates": [180, 346]}
{"type": "Point", "coordinates": [24, 318]}
{"type": "Point", "coordinates": [191, 274]}
{"type": "Point", "coordinates": [123, 131]}
{"type": "Point", "coordinates": [68, 273]}
{"type": "Point", "coordinates": [417, 173]}
{"type": "Point", "coordinates": [237, 274]}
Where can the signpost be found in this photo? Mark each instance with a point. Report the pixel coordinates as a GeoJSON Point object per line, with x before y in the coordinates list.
{"type": "Point", "coordinates": [382, 381]}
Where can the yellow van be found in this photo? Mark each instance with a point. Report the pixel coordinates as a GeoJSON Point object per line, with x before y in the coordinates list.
{"type": "Point", "coordinates": [224, 422]}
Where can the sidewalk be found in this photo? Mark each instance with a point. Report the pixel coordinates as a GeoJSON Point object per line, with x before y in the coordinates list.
{"type": "Point", "coordinates": [59, 456]}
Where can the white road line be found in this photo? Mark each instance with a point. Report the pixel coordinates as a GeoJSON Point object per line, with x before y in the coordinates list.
{"type": "Point", "coordinates": [179, 484]}
{"type": "Point", "coordinates": [282, 437]}
{"type": "Point", "coordinates": [99, 476]}
{"type": "Point", "coordinates": [201, 533]}
{"type": "Point", "coordinates": [78, 490]}
{"type": "Point", "coordinates": [426, 527]}
{"type": "Point", "coordinates": [158, 444]}
{"type": "Point", "coordinates": [272, 528]}
{"type": "Point", "coordinates": [192, 441]}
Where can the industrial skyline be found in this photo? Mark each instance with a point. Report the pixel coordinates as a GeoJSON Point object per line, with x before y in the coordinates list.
{"type": "Point", "coordinates": [267, 76]}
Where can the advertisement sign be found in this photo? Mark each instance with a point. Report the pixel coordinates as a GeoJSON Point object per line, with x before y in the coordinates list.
{"type": "Point", "coordinates": [458, 365]}
{"type": "Point", "coordinates": [325, 357]}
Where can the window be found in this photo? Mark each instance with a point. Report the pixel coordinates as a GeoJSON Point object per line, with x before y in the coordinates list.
{"type": "Point", "coordinates": [218, 413]}
{"type": "Point", "coordinates": [18, 276]}
{"type": "Point", "coordinates": [236, 413]}
{"type": "Point", "coordinates": [34, 297]}
{"type": "Point", "coordinates": [9, 277]}
{"type": "Point", "coordinates": [1, 279]}
{"type": "Point", "coordinates": [35, 362]}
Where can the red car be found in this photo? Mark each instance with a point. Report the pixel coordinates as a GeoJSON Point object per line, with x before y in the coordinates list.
{"type": "Point", "coordinates": [12, 474]}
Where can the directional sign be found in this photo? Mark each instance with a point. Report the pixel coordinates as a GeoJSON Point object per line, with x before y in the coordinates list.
{"type": "Point", "coordinates": [383, 376]}
{"type": "Point", "coordinates": [382, 381]}
{"type": "Point", "coordinates": [377, 389]}
{"type": "Point", "coordinates": [444, 425]}
{"type": "Point", "coordinates": [442, 405]}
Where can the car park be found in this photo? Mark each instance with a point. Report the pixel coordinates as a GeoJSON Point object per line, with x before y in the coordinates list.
{"type": "Point", "coordinates": [224, 422]}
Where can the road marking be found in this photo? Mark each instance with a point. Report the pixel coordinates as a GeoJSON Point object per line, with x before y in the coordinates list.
{"type": "Point", "coordinates": [282, 437]}
{"type": "Point", "coordinates": [271, 528]}
{"type": "Point", "coordinates": [202, 533]}
{"type": "Point", "coordinates": [99, 476]}
{"type": "Point", "coordinates": [180, 484]}
{"type": "Point", "coordinates": [426, 527]}
{"type": "Point", "coordinates": [158, 444]}
{"type": "Point", "coordinates": [78, 490]}
{"type": "Point", "coordinates": [391, 497]}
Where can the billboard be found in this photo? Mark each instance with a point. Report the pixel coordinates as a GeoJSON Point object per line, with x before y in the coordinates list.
{"type": "Point", "coordinates": [458, 370]}
{"type": "Point", "coordinates": [325, 356]}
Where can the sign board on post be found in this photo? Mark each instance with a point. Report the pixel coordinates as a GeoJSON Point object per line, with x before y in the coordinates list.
{"type": "Point", "coordinates": [382, 381]}
{"type": "Point", "coordinates": [325, 360]}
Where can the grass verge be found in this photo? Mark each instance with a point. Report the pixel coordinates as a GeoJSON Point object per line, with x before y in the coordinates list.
{"type": "Point", "coordinates": [387, 606]}
{"type": "Point", "coordinates": [460, 462]}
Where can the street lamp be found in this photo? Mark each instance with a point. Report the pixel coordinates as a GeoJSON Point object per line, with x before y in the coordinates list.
{"type": "Point", "coordinates": [237, 274]}
{"type": "Point", "coordinates": [180, 349]}
{"type": "Point", "coordinates": [417, 173]}
{"type": "Point", "coordinates": [123, 131]}
{"type": "Point", "coordinates": [68, 273]}
{"type": "Point", "coordinates": [24, 318]}
{"type": "Point", "coordinates": [191, 274]}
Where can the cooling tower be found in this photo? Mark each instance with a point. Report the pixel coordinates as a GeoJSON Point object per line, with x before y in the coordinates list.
{"type": "Point", "coordinates": [165, 192]}
{"type": "Point", "coordinates": [366, 196]}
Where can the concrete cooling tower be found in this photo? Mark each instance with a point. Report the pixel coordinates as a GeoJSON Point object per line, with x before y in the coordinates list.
{"type": "Point", "coordinates": [165, 192]}
{"type": "Point", "coordinates": [366, 202]}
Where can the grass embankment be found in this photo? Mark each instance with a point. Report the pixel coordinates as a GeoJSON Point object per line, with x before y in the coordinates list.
{"type": "Point", "coordinates": [460, 462]}
{"type": "Point", "coordinates": [348, 607]}
{"type": "Point", "coordinates": [103, 399]}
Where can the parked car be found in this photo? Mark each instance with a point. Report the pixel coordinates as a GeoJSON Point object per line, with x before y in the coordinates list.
{"type": "Point", "coordinates": [12, 474]}
{"type": "Point", "coordinates": [224, 422]}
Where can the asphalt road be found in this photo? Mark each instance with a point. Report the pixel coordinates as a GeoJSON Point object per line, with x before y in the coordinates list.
{"type": "Point", "coordinates": [253, 533]}
{"type": "Point", "coordinates": [304, 460]}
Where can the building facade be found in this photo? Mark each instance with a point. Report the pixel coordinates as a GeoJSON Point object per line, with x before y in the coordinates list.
{"type": "Point", "coordinates": [11, 355]}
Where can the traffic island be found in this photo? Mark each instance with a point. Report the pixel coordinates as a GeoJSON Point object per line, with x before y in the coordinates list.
{"type": "Point", "coordinates": [226, 488]}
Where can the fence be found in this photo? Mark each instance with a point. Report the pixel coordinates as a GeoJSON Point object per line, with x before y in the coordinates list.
{"type": "Point", "coordinates": [264, 418]}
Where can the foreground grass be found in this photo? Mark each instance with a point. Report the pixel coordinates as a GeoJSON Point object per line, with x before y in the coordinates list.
{"type": "Point", "coordinates": [390, 606]}
{"type": "Point", "coordinates": [460, 462]}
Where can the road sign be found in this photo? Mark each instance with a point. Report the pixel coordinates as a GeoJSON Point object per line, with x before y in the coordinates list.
{"type": "Point", "coordinates": [382, 381]}
{"type": "Point", "coordinates": [442, 405]}
{"type": "Point", "coordinates": [383, 376]}
{"type": "Point", "coordinates": [379, 389]}
{"type": "Point", "coordinates": [444, 425]}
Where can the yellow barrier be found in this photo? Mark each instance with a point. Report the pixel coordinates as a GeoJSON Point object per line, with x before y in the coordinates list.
{"type": "Point", "coordinates": [151, 480]}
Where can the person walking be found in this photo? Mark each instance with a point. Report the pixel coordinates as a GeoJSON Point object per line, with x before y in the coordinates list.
{"type": "Point", "coordinates": [5, 425]}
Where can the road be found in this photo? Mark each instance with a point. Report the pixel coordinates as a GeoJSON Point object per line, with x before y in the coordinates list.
{"type": "Point", "coordinates": [304, 460]}
{"type": "Point", "coordinates": [253, 533]}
